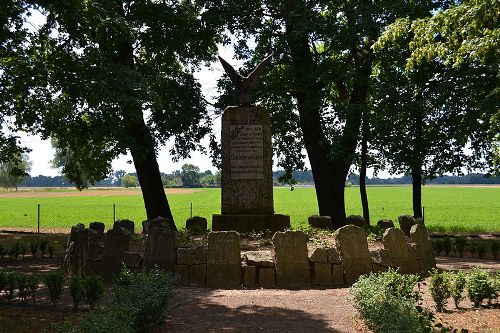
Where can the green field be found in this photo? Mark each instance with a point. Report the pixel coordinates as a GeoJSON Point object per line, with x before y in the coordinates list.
{"type": "Point", "coordinates": [454, 209]}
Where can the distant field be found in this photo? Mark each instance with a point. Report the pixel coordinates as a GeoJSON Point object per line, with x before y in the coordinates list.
{"type": "Point", "coordinates": [447, 208]}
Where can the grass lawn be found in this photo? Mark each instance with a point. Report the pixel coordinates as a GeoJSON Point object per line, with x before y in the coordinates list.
{"type": "Point", "coordinates": [454, 209]}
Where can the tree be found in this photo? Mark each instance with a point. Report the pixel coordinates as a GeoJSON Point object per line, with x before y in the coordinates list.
{"type": "Point", "coordinates": [129, 181]}
{"type": "Point", "coordinates": [90, 71]}
{"type": "Point", "coordinates": [208, 181]}
{"type": "Point", "coordinates": [190, 175]}
{"type": "Point", "coordinates": [71, 167]}
{"type": "Point", "coordinates": [430, 104]}
{"type": "Point", "coordinates": [317, 90]}
{"type": "Point", "coordinates": [14, 171]}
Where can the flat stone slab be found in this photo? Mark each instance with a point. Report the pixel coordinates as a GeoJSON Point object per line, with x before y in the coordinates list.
{"type": "Point", "coordinates": [323, 274]}
{"type": "Point", "coordinates": [249, 223]}
{"type": "Point", "coordinates": [319, 255]}
{"type": "Point", "coordinates": [267, 278]}
{"type": "Point", "coordinates": [259, 258]}
{"type": "Point", "coordinates": [249, 276]}
{"type": "Point", "coordinates": [223, 259]}
{"type": "Point", "coordinates": [292, 262]}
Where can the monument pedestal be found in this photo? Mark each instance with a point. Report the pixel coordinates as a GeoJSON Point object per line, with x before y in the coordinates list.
{"type": "Point", "coordinates": [249, 223]}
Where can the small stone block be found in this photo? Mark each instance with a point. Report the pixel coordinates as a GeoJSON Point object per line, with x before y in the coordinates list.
{"type": "Point", "coordinates": [338, 275]}
{"type": "Point", "coordinates": [322, 222]}
{"type": "Point", "coordinates": [319, 255]}
{"type": "Point", "coordinates": [333, 256]}
{"type": "Point", "coordinates": [197, 275]}
{"type": "Point", "coordinates": [249, 276]}
{"type": "Point", "coordinates": [266, 278]}
{"type": "Point", "coordinates": [182, 275]}
{"type": "Point", "coordinates": [323, 274]}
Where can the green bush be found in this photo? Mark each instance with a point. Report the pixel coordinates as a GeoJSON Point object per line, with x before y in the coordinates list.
{"type": "Point", "coordinates": [494, 248]}
{"type": "Point", "coordinates": [33, 286]}
{"type": "Point", "coordinates": [447, 245]}
{"type": "Point", "coordinates": [2, 251]}
{"type": "Point", "coordinates": [51, 251]}
{"type": "Point", "coordinates": [43, 247]}
{"type": "Point", "coordinates": [93, 287]}
{"type": "Point", "coordinates": [479, 286]}
{"type": "Point", "coordinates": [10, 285]}
{"type": "Point", "coordinates": [3, 280]}
{"type": "Point", "coordinates": [438, 246]}
{"type": "Point", "coordinates": [459, 245]}
{"type": "Point", "coordinates": [481, 249]}
{"type": "Point", "coordinates": [76, 289]}
{"type": "Point", "coordinates": [16, 250]}
{"type": "Point", "coordinates": [22, 285]}
{"type": "Point", "coordinates": [33, 249]}
{"type": "Point", "coordinates": [457, 286]}
{"type": "Point", "coordinates": [439, 286]}
{"type": "Point", "coordinates": [138, 303]}
{"type": "Point", "coordinates": [55, 284]}
{"type": "Point", "coordinates": [386, 301]}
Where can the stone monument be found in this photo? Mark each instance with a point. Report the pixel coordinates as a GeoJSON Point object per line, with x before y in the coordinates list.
{"type": "Point", "coordinates": [247, 160]}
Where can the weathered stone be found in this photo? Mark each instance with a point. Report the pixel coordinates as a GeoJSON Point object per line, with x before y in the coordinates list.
{"type": "Point", "coordinates": [259, 258]}
{"type": "Point", "coordinates": [157, 222]}
{"type": "Point", "coordinates": [338, 275]}
{"type": "Point", "coordinates": [382, 257]}
{"type": "Point", "coordinates": [395, 241]}
{"type": "Point", "coordinates": [99, 227]}
{"type": "Point", "coordinates": [116, 243]}
{"type": "Point", "coordinates": [250, 223]}
{"type": "Point", "coordinates": [419, 220]}
{"type": "Point", "coordinates": [292, 262]}
{"type": "Point", "coordinates": [420, 237]}
{"type": "Point", "coordinates": [94, 244]}
{"type": "Point", "coordinates": [182, 275]}
{"type": "Point", "coordinates": [267, 278]}
{"type": "Point", "coordinates": [192, 255]}
{"type": "Point", "coordinates": [196, 225]}
{"type": "Point", "coordinates": [356, 220]}
{"type": "Point", "coordinates": [323, 222]}
{"type": "Point", "coordinates": [249, 276]}
{"type": "Point", "coordinates": [334, 256]}
{"type": "Point", "coordinates": [323, 274]}
{"type": "Point", "coordinates": [223, 259]}
{"type": "Point", "coordinates": [319, 255]}
{"type": "Point", "coordinates": [132, 259]}
{"type": "Point", "coordinates": [385, 224]}
{"type": "Point", "coordinates": [352, 244]}
{"type": "Point", "coordinates": [405, 223]}
{"type": "Point", "coordinates": [127, 224]}
{"type": "Point", "coordinates": [198, 275]}
{"type": "Point", "coordinates": [412, 250]}
{"type": "Point", "coordinates": [77, 250]}
{"type": "Point", "coordinates": [161, 249]}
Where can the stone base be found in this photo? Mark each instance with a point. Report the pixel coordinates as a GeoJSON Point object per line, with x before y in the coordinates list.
{"type": "Point", "coordinates": [249, 223]}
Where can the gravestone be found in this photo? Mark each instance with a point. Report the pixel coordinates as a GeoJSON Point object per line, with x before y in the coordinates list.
{"type": "Point", "coordinates": [322, 222]}
{"type": "Point", "coordinates": [405, 223]}
{"type": "Point", "coordinates": [352, 245]}
{"type": "Point", "coordinates": [247, 160]}
{"type": "Point", "coordinates": [161, 248]}
{"type": "Point", "coordinates": [423, 246]}
{"type": "Point", "coordinates": [395, 242]}
{"type": "Point", "coordinates": [292, 261]}
{"type": "Point", "coordinates": [116, 243]}
{"type": "Point", "coordinates": [223, 259]}
{"type": "Point", "coordinates": [196, 225]}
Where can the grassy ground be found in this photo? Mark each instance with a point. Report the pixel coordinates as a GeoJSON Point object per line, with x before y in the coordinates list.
{"type": "Point", "coordinates": [453, 209]}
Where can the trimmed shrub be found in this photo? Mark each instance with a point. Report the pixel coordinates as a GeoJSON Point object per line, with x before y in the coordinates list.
{"type": "Point", "coordinates": [33, 249]}
{"type": "Point", "coordinates": [33, 281]}
{"type": "Point", "coordinates": [459, 245]}
{"type": "Point", "coordinates": [43, 247]}
{"type": "Point", "coordinates": [447, 245]}
{"type": "Point", "coordinates": [494, 248]}
{"type": "Point", "coordinates": [438, 246]}
{"type": "Point", "coordinates": [386, 301]}
{"type": "Point", "coordinates": [93, 287]}
{"type": "Point", "coordinates": [55, 284]}
{"type": "Point", "coordinates": [76, 289]}
{"type": "Point", "coordinates": [51, 251]}
{"type": "Point", "coordinates": [479, 286]}
{"type": "Point", "coordinates": [439, 286]}
{"type": "Point", "coordinates": [10, 285]}
{"type": "Point", "coordinates": [22, 285]}
{"type": "Point", "coordinates": [481, 249]}
{"type": "Point", "coordinates": [457, 286]}
{"type": "Point", "coordinates": [3, 280]}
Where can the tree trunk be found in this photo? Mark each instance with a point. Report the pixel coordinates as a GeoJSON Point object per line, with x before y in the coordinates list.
{"type": "Point", "coordinates": [416, 175]}
{"type": "Point", "coordinates": [141, 144]}
{"type": "Point", "coordinates": [362, 171]}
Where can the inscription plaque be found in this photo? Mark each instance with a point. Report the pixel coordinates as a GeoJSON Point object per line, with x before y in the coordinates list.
{"type": "Point", "coordinates": [246, 148]}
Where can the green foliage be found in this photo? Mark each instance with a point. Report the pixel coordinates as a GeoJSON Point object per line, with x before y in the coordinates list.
{"type": "Point", "coordinates": [10, 285]}
{"type": "Point", "coordinates": [3, 280]}
{"type": "Point", "coordinates": [139, 302]}
{"type": "Point", "coordinates": [33, 281]}
{"type": "Point", "coordinates": [481, 248]}
{"type": "Point", "coordinates": [22, 286]}
{"type": "Point", "coordinates": [33, 249]}
{"type": "Point", "coordinates": [459, 245]}
{"type": "Point", "coordinates": [479, 286]}
{"type": "Point", "coordinates": [93, 286]}
{"type": "Point", "coordinates": [190, 175]}
{"type": "Point", "coordinates": [386, 301]}
{"type": "Point", "coordinates": [55, 284]}
{"type": "Point", "coordinates": [51, 250]}
{"type": "Point", "coordinates": [77, 290]}
{"type": "Point", "coordinates": [440, 288]}
{"type": "Point", "coordinates": [494, 248]}
{"type": "Point", "coordinates": [457, 286]}
{"type": "Point", "coordinates": [14, 171]}
{"type": "Point", "coordinates": [43, 247]}
{"type": "Point", "coordinates": [130, 181]}
{"type": "Point", "coordinates": [447, 245]}
{"type": "Point", "coordinates": [438, 246]}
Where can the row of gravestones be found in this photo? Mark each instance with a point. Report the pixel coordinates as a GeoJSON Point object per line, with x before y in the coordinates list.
{"type": "Point", "coordinates": [290, 265]}
{"type": "Point", "coordinates": [405, 222]}
{"type": "Point", "coordinates": [221, 264]}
